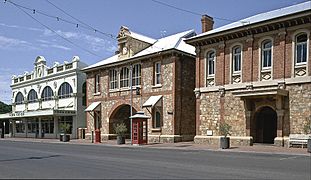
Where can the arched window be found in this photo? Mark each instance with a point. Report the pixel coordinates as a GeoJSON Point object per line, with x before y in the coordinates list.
{"type": "Point", "coordinates": [301, 48]}
{"type": "Point", "coordinates": [124, 77]}
{"type": "Point", "coordinates": [210, 63]}
{"type": "Point", "coordinates": [157, 122]}
{"type": "Point", "coordinates": [236, 59]}
{"type": "Point", "coordinates": [19, 99]}
{"type": "Point", "coordinates": [64, 91]}
{"type": "Point", "coordinates": [32, 96]}
{"type": "Point", "coordinates": [266, 54]}
{"type": "Point", "coordinates": [47, 94]}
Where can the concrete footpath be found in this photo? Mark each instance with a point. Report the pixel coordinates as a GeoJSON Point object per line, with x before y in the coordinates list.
{"type": "Point", "coordinates": [256, 148]}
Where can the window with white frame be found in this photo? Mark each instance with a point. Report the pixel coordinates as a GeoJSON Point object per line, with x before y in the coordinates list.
{"type": "Point", "coordinates": [64, 91]}
{"type": "Point", "coordinates": [124, 77]}
{"type": "Point", "coordinates": [157, 119]}
{"type": "Point", "coordinates": [266, 54]}
{"type": "Point", "coordinates": [236, 59]}
{"type": "Point", "coordinates": [97, 83]}
{"type": "Point", "coordinates": [47, 94]}
{"type": "Point", "coordinates": [301, 48]}
{"type": "Point", "coordinates": [32, 96]}
{"type": "Point", "coordinates": [19, 99]}
{"type": "Point", "coordinates": [136, 75]}
{"type": "Point", "coordinates": [113, 79]}
{"type": "Point", "coordinates": [210, 63]}
{"type": "Point", "coordinates": [157, 73]}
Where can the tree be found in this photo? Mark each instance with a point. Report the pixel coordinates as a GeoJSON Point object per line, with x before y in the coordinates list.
{"type": "Point", "coordinates": [4, 108]}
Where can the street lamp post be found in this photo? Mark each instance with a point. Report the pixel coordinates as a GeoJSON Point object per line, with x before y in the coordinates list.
{"type": "Point", "coordinates": [131, 96]}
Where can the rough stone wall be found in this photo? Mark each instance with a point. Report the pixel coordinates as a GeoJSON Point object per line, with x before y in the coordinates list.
{"type": "Point", "coordinates": [300, 106]}
{"type": "Point", "coordinates": [234, 114]}
{"type": "Point", "coordinates": [209, 113]}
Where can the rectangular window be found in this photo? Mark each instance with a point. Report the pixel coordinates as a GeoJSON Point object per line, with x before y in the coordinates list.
{"type": "Point", "coordinates": [33, 126]}
{"type": "Point", "coordinates": [47, 126]}
{"type": "Point", "coordinates": [157, 73]}
{"type": "Point", "coordinates": [266, 59]}
{"type": "Point", "coordinates": [301, 53]}
{"type": "Point", "coordinates": [66, 120]}
{"type": "Point", "coordinates": [124, 77]}
{"type": "Point", "coordinates": [20, 127]}
{"type": "Point", "coordinates": [113, 79]}
{"type": "Point", "coordinates": [136, 75]}
{"type": "Point", "coordinates": [97, 83]}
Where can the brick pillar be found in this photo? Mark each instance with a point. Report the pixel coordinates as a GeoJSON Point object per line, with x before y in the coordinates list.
{"type": "Point", "coordinates": [247, 67]}
{"type": "Point", "coordinates": [220, 65]}
{"type": "Point", "coordinates": [279, 56]}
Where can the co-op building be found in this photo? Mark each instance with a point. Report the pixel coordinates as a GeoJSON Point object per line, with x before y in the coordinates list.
{"type": "Point", "coordinates": [47, 97]}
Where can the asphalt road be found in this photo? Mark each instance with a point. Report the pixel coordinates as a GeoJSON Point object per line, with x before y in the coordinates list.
{"type": "Point", "coordinates": [54, 160]}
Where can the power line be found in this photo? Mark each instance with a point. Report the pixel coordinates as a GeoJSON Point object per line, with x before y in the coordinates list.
{"type": "Point", "coordinates": [95, 30]}
{"type": "Point", "coordinates": [82, 25]}
{"type": "Point", "coordinates": [188, 11]}
{"type": "Point", "coordinates": [52, 29]}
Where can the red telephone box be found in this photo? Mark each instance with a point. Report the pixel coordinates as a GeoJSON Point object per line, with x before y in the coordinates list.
{"type": "Point", "coordinates": [139, 128]}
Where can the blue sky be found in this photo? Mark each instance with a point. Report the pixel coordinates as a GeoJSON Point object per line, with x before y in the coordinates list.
{"type": "Point", "coordinates": [22, 39]}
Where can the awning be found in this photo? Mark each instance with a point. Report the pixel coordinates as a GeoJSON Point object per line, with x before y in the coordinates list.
{"type": "Point", "coordinates": [92, 106]}
{"type": "Point", "coordinates": [152, 101]}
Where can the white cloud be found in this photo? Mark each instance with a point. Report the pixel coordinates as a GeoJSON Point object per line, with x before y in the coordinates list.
{"type": "Point", "coordinates": [21, 27]}
{"type": "Point", "coordinates": [60, 47]}
{"type": "Point", "coordinates": [94, 43]}
{"type": "Point", "coordinates": [51, 44]}
{"type": "Point", "coordinates": [5, 81]}
{"type": "Point", "coordinates": [12, 43]}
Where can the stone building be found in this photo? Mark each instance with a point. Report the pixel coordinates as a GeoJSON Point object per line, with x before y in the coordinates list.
{"type": "Point", "coordinates": [47, 97]}
{"type": "Point", "coordinates": [162, 74]}
{"type": "Point", "coordinates": [255, 75]}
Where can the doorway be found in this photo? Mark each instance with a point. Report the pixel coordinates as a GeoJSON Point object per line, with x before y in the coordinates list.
{"type": "Point", "coordinates": [121, 115]}
{"type": "Point", "coordinates": [266, 126]}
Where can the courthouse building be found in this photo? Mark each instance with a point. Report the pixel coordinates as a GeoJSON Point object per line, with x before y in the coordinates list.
{"type": "Point", "coordinates": [47, 97]}
{"type": "Point", "coordinates": [255, 75]}
{"type": "Point", "coordinates": [162, 75]}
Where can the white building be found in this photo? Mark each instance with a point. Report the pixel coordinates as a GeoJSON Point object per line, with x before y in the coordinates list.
{"type": "Point", "coordinates": [47, 97]}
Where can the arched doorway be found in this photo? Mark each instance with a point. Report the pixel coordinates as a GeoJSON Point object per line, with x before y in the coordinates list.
{"type": "Point", "coordinates": [121, 115]}
{"type": "Point", "coordinates": [266, 126]}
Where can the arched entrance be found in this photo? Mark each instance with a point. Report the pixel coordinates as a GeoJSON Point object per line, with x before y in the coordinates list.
{"type": "Point", "coordinates": [121, 115]}
{"type": "Point", "coordinates": [265, 125]}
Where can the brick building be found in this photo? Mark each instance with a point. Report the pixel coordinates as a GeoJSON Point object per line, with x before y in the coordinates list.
{"type": "Point", "coordinates": [163, 76]}
{"type": "Point", "coordinates": [255, 75]}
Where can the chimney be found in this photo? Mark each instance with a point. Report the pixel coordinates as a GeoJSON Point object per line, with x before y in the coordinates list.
{"type": "Point", "coordinates": [207, 23]}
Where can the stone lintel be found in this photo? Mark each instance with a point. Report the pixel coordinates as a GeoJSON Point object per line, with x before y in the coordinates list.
{"type": "Point", "coordinates": [260, 92]}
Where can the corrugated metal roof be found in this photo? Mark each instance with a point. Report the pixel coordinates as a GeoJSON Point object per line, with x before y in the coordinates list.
{"type": "Point", "coordinates": [175, 41]}
{"type": "Point", "coordinates": [260, 18]}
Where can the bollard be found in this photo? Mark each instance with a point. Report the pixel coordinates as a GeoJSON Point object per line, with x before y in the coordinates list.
{"type": "Point", "coordinates": [92, 137]}
{"type": "Point", "coordinates": [309, 145]}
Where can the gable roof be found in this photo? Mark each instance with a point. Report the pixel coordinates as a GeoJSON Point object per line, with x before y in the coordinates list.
{"type": "Point", "coordinates": [175, 41]}
{"type": "Point", "coordinates": [260, 18]}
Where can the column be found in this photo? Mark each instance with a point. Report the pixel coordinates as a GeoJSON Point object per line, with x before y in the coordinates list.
{"type": "Point", "coordinates": [55, 118]}
{"type": "Point", "coordinates": [248, 116]}
{"type": "Point", "coordinates": [279, 139]}
{"type": "Point", "coordinates": [40, 127]}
